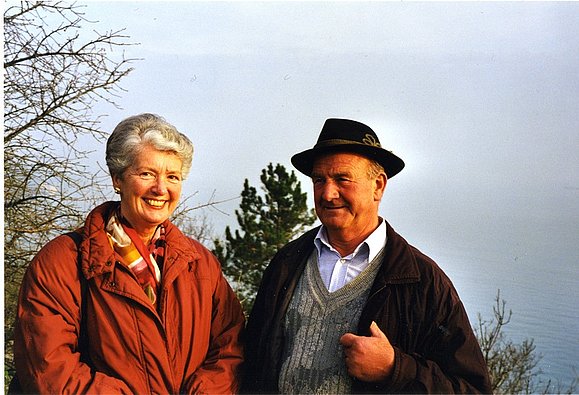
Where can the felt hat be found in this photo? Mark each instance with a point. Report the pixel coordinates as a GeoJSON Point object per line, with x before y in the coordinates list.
{"type": "Point", "coordinates": [345, 135]}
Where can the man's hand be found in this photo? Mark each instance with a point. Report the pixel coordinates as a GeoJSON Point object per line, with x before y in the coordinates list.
{"type": "Point", "coordinates": [368, 358]}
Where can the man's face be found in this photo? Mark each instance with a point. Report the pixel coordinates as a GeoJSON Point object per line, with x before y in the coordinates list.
{"type": "Point", "coordinates": [346, 197]}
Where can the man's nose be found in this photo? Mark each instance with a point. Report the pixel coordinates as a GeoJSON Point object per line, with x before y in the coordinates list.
{"type": "Point", "coordinates": [330, 191]}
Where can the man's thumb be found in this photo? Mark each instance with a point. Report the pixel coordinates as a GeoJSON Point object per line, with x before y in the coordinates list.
{"type": "Point", "coordinates": [375, 330]}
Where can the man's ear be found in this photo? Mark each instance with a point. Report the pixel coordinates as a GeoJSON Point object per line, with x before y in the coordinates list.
{"type": "Point", "coordinates": [380, 186]}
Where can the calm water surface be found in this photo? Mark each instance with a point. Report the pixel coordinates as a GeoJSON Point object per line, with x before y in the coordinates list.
{"type": "Point", "coordinates": [540, 289]}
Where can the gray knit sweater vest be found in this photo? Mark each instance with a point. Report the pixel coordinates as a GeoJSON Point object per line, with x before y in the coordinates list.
{"type": "Point", "coordinates": [313, 360]}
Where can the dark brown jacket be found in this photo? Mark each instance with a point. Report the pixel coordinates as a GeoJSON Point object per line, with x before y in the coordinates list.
{"type": "Point", "coordinates": [412, 301]}
{"type": "Point", "coordinates": [190, 346]}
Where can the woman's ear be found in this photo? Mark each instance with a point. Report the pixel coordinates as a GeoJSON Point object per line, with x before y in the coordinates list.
{"type": "Point", "coordinates": [116, 182]}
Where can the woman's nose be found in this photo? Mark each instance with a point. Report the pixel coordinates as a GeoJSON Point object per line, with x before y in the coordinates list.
{"type": "Point", "coordinates": [160, 186]}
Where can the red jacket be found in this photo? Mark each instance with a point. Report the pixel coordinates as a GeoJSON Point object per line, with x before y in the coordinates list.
{"type": "Point", "coordinates": [191, 346]}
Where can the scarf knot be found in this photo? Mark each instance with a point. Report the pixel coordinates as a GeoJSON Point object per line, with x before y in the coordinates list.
{"type": "Point", "coordinates": [142, 261]}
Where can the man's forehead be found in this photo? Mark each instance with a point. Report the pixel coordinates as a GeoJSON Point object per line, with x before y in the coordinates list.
{"type": "Point", "coordinates": [341, 162]}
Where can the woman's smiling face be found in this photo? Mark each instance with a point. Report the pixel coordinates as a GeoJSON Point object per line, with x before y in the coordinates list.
{"type": "Point", "coordinates": [150, 189]}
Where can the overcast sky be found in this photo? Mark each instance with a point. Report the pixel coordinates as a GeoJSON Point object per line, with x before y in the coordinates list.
{"type": "Point", "coordinates": [481, 100]}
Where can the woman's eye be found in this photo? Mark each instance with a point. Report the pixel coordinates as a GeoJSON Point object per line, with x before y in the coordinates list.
{"type": "Point", "coordinates": [174, 178]}
{"type": "Point", "coordinates": [146, 175]}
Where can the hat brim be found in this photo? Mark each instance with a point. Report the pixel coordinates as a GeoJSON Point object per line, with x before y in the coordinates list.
{"type": "Point", "coordinates": [391, 163]}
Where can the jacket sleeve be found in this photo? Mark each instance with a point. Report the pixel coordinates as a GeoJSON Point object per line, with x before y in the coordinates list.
{"type": "Point", "coordinates": [264, 334]}
{"type": "Point", "coordinates": [258, 345]}
{"type": "Point", "coordinates": [449, 360]}
{"type": "Point", "coordinates": [48, 325]}
{"type": "Point", "coordinates": [220, 372]}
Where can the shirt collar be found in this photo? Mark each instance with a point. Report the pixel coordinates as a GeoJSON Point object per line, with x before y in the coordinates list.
{"type": "Point", "coordinates": [374, 242]}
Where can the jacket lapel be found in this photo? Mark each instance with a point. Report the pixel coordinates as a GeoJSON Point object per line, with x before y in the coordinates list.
{"type": "Point", "coordinates": [398, 267]}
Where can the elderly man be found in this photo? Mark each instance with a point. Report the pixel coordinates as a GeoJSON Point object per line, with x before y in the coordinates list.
{"type": "Point", "coordinates": [351, 306]}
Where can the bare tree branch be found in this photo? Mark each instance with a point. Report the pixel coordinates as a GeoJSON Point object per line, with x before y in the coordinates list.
{"type": "Point", "coordinates": [55, 71]}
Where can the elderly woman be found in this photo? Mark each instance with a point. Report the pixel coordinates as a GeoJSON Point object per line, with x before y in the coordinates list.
{"type": "Point", "coordinates": [132, 305]}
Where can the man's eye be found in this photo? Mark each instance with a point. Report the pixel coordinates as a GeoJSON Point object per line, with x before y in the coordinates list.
{"type": "Point", "coordinates": [174, 178]}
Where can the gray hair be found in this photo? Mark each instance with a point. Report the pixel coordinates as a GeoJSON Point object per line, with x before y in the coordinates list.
{"type": "Point", "coordinates": [133, 133]}
{"type": "Point", "coordinates": [375, 169]}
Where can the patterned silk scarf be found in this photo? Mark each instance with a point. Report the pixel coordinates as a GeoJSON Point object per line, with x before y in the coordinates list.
{"type": "Point", "coordinates": [144, 262]}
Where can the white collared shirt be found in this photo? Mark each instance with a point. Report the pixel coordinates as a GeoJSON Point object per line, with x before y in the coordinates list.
{"type": "Point", "coordinates": [337, 271]}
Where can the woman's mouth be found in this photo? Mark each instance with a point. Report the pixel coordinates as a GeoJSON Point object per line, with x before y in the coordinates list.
{"type": "Point", "coordinates": [154, 202]}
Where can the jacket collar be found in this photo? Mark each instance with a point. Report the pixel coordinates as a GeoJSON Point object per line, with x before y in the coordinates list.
{"type": "Point", "coordinates": [98, 256]}
{"type": "Point", "coordinates": [399, 263]}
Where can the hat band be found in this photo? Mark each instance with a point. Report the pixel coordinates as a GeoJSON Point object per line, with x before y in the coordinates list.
{"type": "Point", "coordinates": [332, 142]}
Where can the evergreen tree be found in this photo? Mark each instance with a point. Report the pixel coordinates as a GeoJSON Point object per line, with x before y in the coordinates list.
{"type": "Point", "coordinates": [266, 223]}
